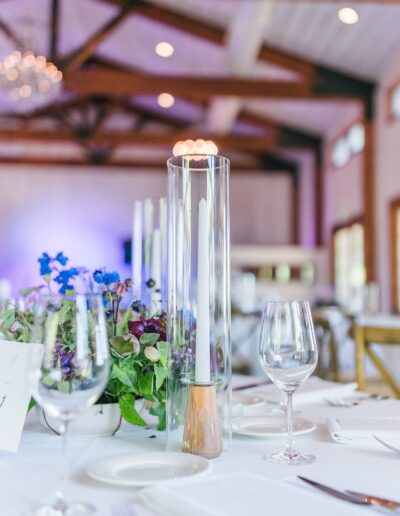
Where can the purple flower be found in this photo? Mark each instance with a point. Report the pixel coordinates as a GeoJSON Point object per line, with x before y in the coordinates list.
{"type": "Point", "coordinates": [155, 325]}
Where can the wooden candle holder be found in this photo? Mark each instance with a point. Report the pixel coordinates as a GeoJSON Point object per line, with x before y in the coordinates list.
{"type": "Point", "coordinates": [202, 434]}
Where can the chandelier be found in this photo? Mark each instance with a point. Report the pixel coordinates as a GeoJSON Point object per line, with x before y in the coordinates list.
{"type": "Point", "coordinates": [30, 81]}
{"type": "Point", "coordinates": [195, 149]}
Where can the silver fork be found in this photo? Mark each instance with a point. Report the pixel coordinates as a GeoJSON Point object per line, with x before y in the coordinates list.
{"type": "Point", "coordinates": [123, 510]}
{"type": "Point", "coordinates": [354, 402]}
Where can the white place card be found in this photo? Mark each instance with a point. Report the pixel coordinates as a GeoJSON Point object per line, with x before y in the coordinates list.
{"type": "Point", "coordinates": [14, 391]}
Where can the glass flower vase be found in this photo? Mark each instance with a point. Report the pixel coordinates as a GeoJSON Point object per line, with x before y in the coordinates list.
{"type": "Point", "coordinates": [198, 293]}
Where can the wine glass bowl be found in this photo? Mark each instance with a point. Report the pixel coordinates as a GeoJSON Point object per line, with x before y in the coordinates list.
{"type": "Point", "coordinates": [288, 354]}
{"type": "Point", "coordinates": [70, 371]}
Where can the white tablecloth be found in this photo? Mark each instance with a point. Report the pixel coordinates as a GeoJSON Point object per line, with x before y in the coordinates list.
{"type": "Point", "coordinates": [30, 476]}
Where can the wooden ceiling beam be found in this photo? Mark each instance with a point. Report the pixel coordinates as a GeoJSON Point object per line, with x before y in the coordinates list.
{"type": "Point", "coordinates": [11, 35]}
{"type": "Point", "coordinates": [231, 142]}
{"type": "Point", "coordinates": [136, 165]}
{"type": "Point", "coordinates": [54, 29]}
{"type": "Point", "coordinates": [106, 82]}
{"type": "Point", "coordinates": [80, 55]}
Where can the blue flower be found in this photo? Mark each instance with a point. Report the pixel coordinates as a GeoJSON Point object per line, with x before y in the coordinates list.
{"type": "Point", "coordinates": [66, 288]}
{"type": "Point", "coordinates": [61, 259]}
{"type": "Point", "coordinates": [44, 261]}
{"type": "Point", "coordinates": [105, 278]}
{"type": "Point", "coordinates": [45, 269]}
{"type": "Point", "coordinates": [111, 277]}
{"type": "Point", "coordinates": [99, 276]}
{"type": "Point", "coordinates": [65, 276]}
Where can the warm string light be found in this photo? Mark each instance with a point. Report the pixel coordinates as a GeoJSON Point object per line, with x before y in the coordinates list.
{"type": "Point", "coordinates": [164, 49]}
{"type": "Point", "coordinates": [195, 149]}
{"type": "Point", "coordinates": [165, 100]}
{"type": "Point", "coordinates": [348, 15]}
{"type": "Point", "coordinates": [31, 81]}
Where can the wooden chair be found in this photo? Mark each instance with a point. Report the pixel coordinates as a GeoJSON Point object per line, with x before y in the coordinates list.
{"type": "Point", "coordinates": [327, 337]}
{"type": "Point", "coordinates": [364, 337]}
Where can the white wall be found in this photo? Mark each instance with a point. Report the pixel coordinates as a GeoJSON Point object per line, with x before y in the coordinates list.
{"type": "Point", "coordinates": [87, 213]}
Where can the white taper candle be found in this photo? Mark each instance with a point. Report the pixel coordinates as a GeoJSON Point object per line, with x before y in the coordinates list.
{"type": "Point", "coordinates": [202, 365]}
{"type": "Point", "coordinates": [137, 243]}
{"type": "Point", "coordinates": [156, 270]}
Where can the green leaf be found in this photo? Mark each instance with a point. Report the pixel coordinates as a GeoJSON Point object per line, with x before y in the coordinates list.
{"type": "Point", "coordinates": [8, 321]}
{"type": "Point", "coordinates": [128, 411]}
{"type": "Point", "coordinates": [32, 403]}
{"type": "Point", "coordinates": [48, 381]}
{"type": "Point", "coordinates": [26, 291]}
{"type": "Point", "coordinates": [149, 339]}
{"type": "Point", "coordinates": [121, 346]}
{"type": "Point", "coordinates": [160, 372]}
{"type": "Point", "coordinates": [162, 347]}
{"type": "Point", "coordinates": [146, 383]}
{"type": "Point", "coordinates": [126, 374]}
{"type": "Point", "coordinates": [159, 410]}
{"type": "Point", "coordinates": [64, 386]}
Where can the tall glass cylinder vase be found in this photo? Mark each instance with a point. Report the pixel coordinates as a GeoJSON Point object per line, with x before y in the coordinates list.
{"type": "Point", "coordinates": [149, 253]}
{"type": "Point", "coordinates": [199, 382]}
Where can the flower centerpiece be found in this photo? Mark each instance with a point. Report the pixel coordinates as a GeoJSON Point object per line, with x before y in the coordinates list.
{"type": "Point", "coordinates": [138, 344]}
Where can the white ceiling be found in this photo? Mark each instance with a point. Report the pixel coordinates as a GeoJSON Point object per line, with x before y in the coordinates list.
{"type": "Point", "coordinates": [313, 30]}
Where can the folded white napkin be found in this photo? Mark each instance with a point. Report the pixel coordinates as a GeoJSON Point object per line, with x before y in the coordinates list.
{"type": "Point", "coordinates": [360, 430]}
{"type": "Point", "coordinates": [314, 390]}
{"type": "Point", "coordinates": [237, 494]}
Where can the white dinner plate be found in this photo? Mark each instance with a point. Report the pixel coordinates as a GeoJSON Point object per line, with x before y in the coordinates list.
{"type": "Point", "coordinates": [269, 426]}
{"type": "Point", "coordinates": [144, 469]}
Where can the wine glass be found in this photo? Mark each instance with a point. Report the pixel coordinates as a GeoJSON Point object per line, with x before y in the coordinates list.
{"type": "Point", "coordinates": [69, 372]}
{"type": "Point", "coordinates": [288, 354]}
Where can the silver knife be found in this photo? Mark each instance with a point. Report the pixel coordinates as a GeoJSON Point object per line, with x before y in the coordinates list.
{"type": "Point", "coordinates": [375, 500]}
{"type": "Point", "coordinates": [334, 492]}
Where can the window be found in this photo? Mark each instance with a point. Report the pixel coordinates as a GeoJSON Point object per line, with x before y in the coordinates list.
{"type": "Point", "coordinates": [395, 254]}
{"type": "Point", "coordinates": [348, 145]}
{"type": "Point", "coordinates": [349, 265]}
{"type": "Point", "coordinates": [394, 102]}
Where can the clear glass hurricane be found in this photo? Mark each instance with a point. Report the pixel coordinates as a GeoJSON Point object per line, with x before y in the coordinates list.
{"type": "Point", "coordinates": [288, 355]}
{"type": "Point", "coordinates": [69, 373]}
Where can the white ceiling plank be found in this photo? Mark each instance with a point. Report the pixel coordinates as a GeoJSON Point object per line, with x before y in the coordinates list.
{"type": "Point", "coordinates": [245, 37]}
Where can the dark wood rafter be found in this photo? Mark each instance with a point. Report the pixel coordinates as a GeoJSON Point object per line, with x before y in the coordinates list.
{"type": "Point", "coordinates": [228, 142]}
{"type": "Point", "coordinates": [106, 82]}
{"type": "Point", "coordinates": [54, 29]}
{"type": "Point", "coordinates": [12, 35]}
{"type": "Point", "coordinates": [79, 56]}
{"type": "Point", "coordinates": [394, 210]}
{"type": "Point", "coordinates": [369, 199]}
{"type": "Point", "coordinates": [130, 164]}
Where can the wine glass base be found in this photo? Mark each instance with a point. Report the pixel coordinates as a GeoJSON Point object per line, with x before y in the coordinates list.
{"type": "Point", "coordinates": [70, 509]}
{"type": "Point", "coordinates": [292, 459]}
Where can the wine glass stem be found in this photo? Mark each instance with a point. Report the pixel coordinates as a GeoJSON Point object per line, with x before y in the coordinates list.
{"type": "Point", "coordinates": [289, 414]}
{"type": "Point", "coordinates": [61, 502]}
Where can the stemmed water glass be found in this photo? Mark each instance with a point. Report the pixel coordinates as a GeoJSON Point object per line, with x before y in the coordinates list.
{"type": "Point", "coordinates": [288, 354]}
{"type": "Point", "coordinates": [70, 372]}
